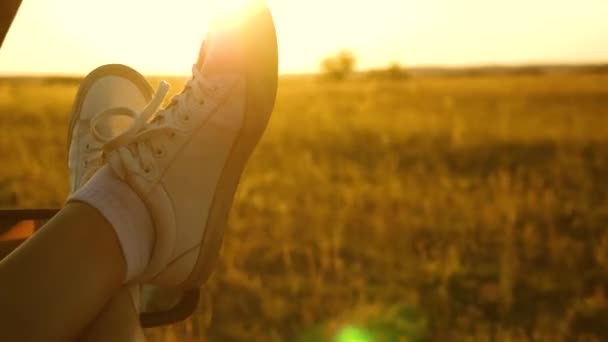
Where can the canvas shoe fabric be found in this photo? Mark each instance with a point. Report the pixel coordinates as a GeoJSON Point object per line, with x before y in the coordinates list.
{"type": "Point", "coordinates": [109, 86]}
{"type": "Point", "coordinates": [185, 160]}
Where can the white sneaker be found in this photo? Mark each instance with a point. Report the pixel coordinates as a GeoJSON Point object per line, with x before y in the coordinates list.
{"type": "Point", "coordinates": [109, 86]}
{"type": "Point", "coordinates": [185, 161]}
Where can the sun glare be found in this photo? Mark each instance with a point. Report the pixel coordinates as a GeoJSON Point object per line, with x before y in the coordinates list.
{"type": "Point", "coordinates": [76, 36]}
{"type": "Point", "coordinates": [227, 13]}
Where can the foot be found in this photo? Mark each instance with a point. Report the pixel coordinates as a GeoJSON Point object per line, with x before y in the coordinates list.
{"type": "Point", "coordinates": [185, 160]}
{"type": "Point", "coordinates": [109, 86]}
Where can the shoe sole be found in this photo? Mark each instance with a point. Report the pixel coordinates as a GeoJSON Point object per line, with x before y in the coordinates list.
{"type": "Point", "coordinates": [117, 70]}
{"type": "Point", "coordinates": [259, 35]}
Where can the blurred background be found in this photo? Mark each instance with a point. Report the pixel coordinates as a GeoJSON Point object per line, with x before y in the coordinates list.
{"type": "Point", "coordinates": [433, 170]}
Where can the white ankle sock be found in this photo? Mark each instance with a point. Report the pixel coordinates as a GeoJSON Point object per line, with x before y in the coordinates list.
{"type": "Point", "coordinates": [127, 214]}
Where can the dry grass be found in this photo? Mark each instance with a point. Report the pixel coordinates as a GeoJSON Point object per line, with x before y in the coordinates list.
{"type": "Point", "coordinates": [461, 208]}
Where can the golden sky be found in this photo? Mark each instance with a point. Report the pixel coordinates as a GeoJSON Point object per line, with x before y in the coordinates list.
{"type": "Point", "coordinates": [163, 37]}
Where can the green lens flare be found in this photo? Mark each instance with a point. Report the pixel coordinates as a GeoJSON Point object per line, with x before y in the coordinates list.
{"type": "Point", "coordinates": [353, 334]}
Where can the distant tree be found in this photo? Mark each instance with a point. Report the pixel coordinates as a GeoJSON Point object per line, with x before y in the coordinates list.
{"type": "Point", "coordinates": [340, 66]}
{"type": "Point", "coordinates": [396, 72]}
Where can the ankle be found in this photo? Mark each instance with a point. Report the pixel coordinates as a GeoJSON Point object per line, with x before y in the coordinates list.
{"type": "Point", "coordinates": [126, 213]}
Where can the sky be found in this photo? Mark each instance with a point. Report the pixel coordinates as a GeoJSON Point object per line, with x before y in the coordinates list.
{"type": "Point", "coordinates": [163, 37]}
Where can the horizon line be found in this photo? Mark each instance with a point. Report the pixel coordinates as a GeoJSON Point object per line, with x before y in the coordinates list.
{"type": "Point", "coordinates": [446, 67]}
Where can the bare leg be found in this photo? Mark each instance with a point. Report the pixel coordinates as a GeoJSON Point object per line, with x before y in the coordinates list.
{"type": "Point", "coordinates": [58, 281]}
{"type": "Point", "coordinates": [119, 321]}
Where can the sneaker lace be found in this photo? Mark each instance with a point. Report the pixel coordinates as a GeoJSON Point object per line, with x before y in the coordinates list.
{"type": "Point", "coordinates": [135, 150]}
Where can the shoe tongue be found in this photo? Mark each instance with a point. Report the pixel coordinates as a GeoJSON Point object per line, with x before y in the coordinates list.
{"type": "Point", "coordinates": [115, 125]}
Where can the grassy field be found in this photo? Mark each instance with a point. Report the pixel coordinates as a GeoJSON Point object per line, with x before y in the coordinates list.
{"type": "Point", "coordinates": [434, 208]}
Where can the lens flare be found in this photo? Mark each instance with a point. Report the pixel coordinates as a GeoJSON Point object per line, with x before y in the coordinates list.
{"type": "Point", "coordinates": [352, 333]}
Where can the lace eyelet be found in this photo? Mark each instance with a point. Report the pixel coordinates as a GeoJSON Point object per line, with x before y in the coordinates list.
{"type": "Point", "coordinates": [159, 153]}
{"type": "Point", "coordinates": [186, 117]}
{"type": "Point", "coordinates": [147, 170]}
{"type": "Point", "coordinates": [172, 135]}
{"type": "Point", "coordinates": [87, 146]}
